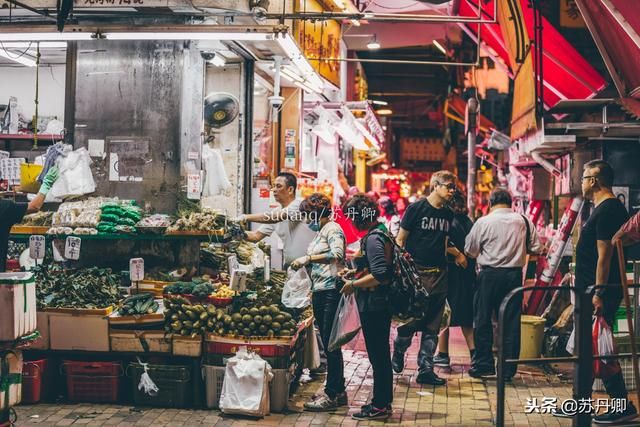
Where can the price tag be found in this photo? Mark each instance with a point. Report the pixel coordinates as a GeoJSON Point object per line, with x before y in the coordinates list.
{"type": "Point", "coordinates": [238, 280]}
{"type": "Point", "coordinates": [72, 248]}
{"type": "Point", "coordinates": [194, 186]}
{"type": "Point", "coordinates": [36, 247]}
{"type": "Point", "coordinates": [136, 269]}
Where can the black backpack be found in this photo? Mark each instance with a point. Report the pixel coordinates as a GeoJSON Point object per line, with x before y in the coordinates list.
{"type": "Point", "coordinates": [407, 297]}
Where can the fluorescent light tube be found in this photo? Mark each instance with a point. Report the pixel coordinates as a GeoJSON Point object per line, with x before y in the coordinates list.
{"type": "Point", "coordinates": [441, 48]}
{"type": "Point", "coordinates": [187, 36]}
{"type": "Point", "coordinates": [70, 36]}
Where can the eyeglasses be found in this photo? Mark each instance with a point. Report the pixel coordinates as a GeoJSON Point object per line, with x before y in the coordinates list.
{"type": "Point", "coordinates": [587, 177]}
{"type": "Point", "coordinates": [449, 186]}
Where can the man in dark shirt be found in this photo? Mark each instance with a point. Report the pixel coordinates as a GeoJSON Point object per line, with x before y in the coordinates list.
{"type": "Point", "coordinates": [12, 213]}
{"type": "Point", "coordinates": [424, 232]}
{"type": "Point", "coordinates": [597, 263]}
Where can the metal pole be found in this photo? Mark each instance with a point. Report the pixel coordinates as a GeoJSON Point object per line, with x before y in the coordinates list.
{"type": "Point", "coordinates": [472, 110]}
{"type": "Point", "coordinates": [627, 303]}
{"type": "Point", "coordinates": [583, 380]}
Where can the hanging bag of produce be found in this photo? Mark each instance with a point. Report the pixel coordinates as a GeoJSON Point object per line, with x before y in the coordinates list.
{"type": "Point", "coordinates": [245, 390]}
{"type": "Point", "coordinates": [346, 324]}
{"type": "Point", "coordinates": [602, 337]}
{"type": "Point", "coordinates": [297, 290]}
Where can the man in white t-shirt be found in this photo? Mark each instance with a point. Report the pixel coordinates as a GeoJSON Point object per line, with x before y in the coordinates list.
{"type": "Point", "coordinates": [286, 221]}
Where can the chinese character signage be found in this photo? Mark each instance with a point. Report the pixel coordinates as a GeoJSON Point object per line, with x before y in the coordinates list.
{"type": "Point", "coordinates": [320, 41]}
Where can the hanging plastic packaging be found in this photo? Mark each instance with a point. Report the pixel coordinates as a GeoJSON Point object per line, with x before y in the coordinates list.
{"type": "Point", "coordinates": [346, 324]}
{"type": "Point", "coordinates": [216, 181]}
{"type": "Point", "coordinates": [297, 290]}
{"type": "Point", "coordinates": [245, 390]}
{"type": "Point", "coordinates": [75, 178]}
{"type": "Point", "coordinates": [146, 383]}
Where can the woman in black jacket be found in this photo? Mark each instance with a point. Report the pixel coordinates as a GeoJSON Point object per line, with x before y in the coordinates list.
{"type": "Point", "coordinates": [370, 280]}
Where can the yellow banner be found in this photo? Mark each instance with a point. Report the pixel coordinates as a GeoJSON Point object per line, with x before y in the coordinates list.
{"type": "Point", "coordinates": [320, 41]}
{"type": "Point", "coordinates": [516, 39]}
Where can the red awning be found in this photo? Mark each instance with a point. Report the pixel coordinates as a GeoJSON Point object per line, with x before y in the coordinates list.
{"type": "Point", "coordinates": [615, 25]}
{"type": "Point", "coordinates": [567, 75]}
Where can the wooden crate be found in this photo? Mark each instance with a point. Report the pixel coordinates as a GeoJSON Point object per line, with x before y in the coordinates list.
{"type": "Point", "coordinates": [139, 341]}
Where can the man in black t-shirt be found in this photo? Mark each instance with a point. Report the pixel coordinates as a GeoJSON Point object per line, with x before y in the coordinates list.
{"type": "Point", "coordinates": [12, 213]}
{"type": "Point", "coordinates": [424, 232]}
{"type": "Point", "coordinates": [597, 263]}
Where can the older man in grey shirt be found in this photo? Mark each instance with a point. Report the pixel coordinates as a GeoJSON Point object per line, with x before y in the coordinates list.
{"type": "Point", "coordinates": [500, 242]}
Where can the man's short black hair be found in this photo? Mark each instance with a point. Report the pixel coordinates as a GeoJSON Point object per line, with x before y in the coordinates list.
{"type": "Point", "coordinates": [290, 179]}
{"type": "Point", "coordinates": [605, 173]}
{"type": "Point", "coordinates": [500, 196]}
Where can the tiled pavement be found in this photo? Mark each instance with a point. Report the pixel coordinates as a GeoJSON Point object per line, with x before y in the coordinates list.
{"type": "Point", "coordinates": [463, 402]}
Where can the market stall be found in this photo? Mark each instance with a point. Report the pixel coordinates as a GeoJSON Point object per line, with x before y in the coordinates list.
{"type": "Point", "coordinates": [145, 335]}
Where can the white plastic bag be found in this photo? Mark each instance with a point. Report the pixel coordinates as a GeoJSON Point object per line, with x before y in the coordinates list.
{"type": "Point", "coordinates": [75, 177]}
{"type": "Point", "coordinates": [346, 324]}
{"type": "Point", "coordinates": [297, 290]}
{"type": "Point", "coordinates": [216, 181]}
{"type": "Point", "coordinates": [245, 390]}
{"type": "Point", "coordinates": [146, 382]}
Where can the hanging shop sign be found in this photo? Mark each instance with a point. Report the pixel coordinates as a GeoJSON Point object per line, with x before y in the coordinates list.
{"type": "Point", "coordinates": [194, 186]}
{"type": "Point", "coordinates": [290, 149]}
{"type": "Point", "coordinates": [320, 41]}
{"type": "Point", "coordinates": [360, 84]}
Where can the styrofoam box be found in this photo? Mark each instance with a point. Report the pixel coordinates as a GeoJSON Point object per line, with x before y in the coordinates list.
{"type": "Point", "coordinates": [17, 305]}
{"type": "Point", "coordinates": [15, 389]}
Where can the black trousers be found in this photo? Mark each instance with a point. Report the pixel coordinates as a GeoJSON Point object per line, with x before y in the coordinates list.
{"type": "Point", "coordinates": [614, 385]}
{"type": "Point", "coordinates": [325, 305]}
{"type": "Point", "coordinates": [492, 286]}
{"type": "Point", "coordinates": [376, 327]}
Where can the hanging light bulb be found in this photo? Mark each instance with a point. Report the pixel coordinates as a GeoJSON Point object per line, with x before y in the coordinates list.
{"type": "Point", "coordinates": [373, 44]}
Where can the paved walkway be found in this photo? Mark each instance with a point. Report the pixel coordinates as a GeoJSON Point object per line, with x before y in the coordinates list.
{"type": "Point", "coordinates": [463, 402]}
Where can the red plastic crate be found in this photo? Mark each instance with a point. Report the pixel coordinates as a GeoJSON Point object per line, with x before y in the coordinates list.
{"type": "Point", "coordinates": [93, 381]}
{"type": "Point", "coordinates": [33, 373]}
{"type": "Point", "coordinates": [263, 347]}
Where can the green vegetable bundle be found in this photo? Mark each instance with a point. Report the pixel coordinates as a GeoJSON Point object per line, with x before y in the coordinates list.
{"type": "Point", "coordinates": [119, 218]}
{"type": "Point", "coordinates": [89, 288]}
{"type": "Point", "coordinates": [138, 305]}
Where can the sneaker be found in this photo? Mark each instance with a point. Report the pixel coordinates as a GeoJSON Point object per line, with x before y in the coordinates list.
{"type": "Point", "coordinates": [370, 412]}
{"type": "Point", "coordinates": [321, 404]}
{"type": "Point", "coordinates": [616, 417]}
{"type": "Point", "coordinates": [341, 398]}
{"type": "Point", "coordinates": [480, 373]}
{"type": "Point", "coordinates": [320, 370]}
{"type": "Point", "coordinates": [430, 378]}
{"type": "Point", "coordinates": [397, 362]}
{"type": "Point", "coordinates": [442, 360]}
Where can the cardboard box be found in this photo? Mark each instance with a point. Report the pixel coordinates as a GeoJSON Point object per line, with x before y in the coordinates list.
{"type": "Point", "coordinates": [140, 341]}
{"type": "Point", "coordinates": [187, 346]}
{"type": "Point", "coordinates": [78, 331]}
{"type": "Point", "coordinates": [13, 362]}
{"type": "Point", "coordinates": [17, 305]}
{"type": "Point", "coordinates": [42, 343]}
